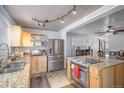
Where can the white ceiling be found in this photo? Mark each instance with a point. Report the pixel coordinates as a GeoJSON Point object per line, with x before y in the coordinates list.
{"type": "Point", "coordinates": [23, 14]}
{"type": "Point", "coordinates": [116, 20]}
{"type": "Point", "coordinates": [91, 28]}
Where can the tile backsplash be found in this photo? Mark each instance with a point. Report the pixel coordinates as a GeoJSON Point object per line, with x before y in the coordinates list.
{"type": "Point", "coordinates": [20, 49]}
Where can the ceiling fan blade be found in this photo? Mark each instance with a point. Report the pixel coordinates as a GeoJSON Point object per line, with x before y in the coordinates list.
{"type": "Point", "coordinates": [100, 32]}
{"type": "Point", "coordinates": [119, 30]}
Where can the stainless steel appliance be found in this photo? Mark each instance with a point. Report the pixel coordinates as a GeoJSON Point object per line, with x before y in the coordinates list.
{"type": "Point", "coordinates": [39, 43]}
{"type": "Point", "coordinates": [38, 52]}
{"type": "Point", "coordinates": [39, 48]}
{"type": "Point", "coordinates": [55, 54]}
{"type": "Point", "coordinates": [83, 80]}
{"type": "Point", "coordinates": [84, 71]}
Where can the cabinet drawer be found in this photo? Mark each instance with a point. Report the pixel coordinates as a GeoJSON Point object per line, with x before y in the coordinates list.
{"type": "Point", "coordinates": [55, 66]}
{"type": "Point", "coordinates": [94, 71]}
{"type": "Point", "coordinates": [55, 57]}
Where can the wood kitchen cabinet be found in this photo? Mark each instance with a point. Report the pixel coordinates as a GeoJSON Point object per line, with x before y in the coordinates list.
{"type": "Point", "coordinates": [34, 64]}
{"type": "Point", "coordinates": [38, 64]}
{"type": "Point", "coordinates": [108, 77]}
{"type": "Point", "coordinates": [68, 69]}
{"type": "Point", "coordinates": [94, 81]}
{"type": "Point", "coordinates": [94, 78]}
{"type": "Point", "coordinates": [15, 35]}
{"type": "Point", "coordinates": [119, 75]}
{"type": "Point", "coordinates": [19, 37]}
{"type": "Point", "coordinates": [26, 39]}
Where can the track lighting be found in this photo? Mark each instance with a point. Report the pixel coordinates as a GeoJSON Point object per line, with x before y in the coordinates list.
{"type": "Point", "coordinates": [62, 21]}
{"type": "Point", "coordinates": [74, 10]}
{"type": "Point", "coordinates": [44, 22]}
{"type": "Point", "coordinates": [38, 24]}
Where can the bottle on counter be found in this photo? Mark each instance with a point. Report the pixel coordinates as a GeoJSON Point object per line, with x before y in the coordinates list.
{"type": "Point", "coordinates": [78, 48]}
{"type": "Point", "coordinates": [44, 53]}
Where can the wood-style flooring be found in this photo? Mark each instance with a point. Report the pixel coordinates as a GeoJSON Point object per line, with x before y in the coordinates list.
{"type": "Point", "coordinates": [69, 86]}
{"type": "Point", "coordinates": [41, 81]}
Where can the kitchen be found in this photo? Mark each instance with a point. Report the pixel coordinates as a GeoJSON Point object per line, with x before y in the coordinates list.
{"type": "Point", "coordinates": [83, 49]}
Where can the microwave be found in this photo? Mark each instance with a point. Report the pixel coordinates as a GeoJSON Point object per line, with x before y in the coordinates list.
{"type": "Point", "coordinates": [39, 43]}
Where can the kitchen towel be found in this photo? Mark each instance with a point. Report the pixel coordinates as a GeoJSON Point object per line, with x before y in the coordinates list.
{"type": "Point", "coordinates": [77, 72]}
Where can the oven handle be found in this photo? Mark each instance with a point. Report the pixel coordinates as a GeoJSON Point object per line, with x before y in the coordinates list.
{"type": "Point", "coordinates": [84, 69]}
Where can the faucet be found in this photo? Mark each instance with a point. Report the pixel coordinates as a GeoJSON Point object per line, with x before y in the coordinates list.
{"type": "Point", "coordinates": [7, 49]}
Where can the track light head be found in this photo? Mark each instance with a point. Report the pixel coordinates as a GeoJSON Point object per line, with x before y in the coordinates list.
{"type": "Point", "coordinates": [44, 24]}
{"type": "Point", "coordinates": [74, 10]}
{"type": "Point", "coordinates": [62, 21]}
{"type": "Point", "coordinates": [38, 23]}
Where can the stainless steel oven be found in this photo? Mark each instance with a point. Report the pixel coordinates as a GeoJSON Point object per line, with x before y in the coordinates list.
{"type": "Point", "coordinates": [84, 75]}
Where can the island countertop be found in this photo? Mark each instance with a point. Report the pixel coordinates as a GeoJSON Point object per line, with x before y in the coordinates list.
{"type": "Point", "coordinates": [104, 61]}
{"type": "Point", "coordinates": [20, 79]}
{"type": "Point", "coordinates": [107, 62]}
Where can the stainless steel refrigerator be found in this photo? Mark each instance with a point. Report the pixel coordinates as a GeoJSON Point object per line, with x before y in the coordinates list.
{"type": "Point", "coordinates": [55, 54]}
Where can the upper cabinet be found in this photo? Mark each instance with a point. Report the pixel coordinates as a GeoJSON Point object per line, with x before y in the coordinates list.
{"type": "Point", "coordinates": [26, 39]}
{"type": "Point", "coordinates": [15, 35]}
{"type": "Point", "coordinates": [19, 37]}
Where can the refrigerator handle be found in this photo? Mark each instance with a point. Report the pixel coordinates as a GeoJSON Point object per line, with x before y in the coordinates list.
{"type": "Point", "coordinates": [50, 51]}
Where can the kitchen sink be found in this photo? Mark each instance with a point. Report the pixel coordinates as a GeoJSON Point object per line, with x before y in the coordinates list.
{"type": "Point", "coordinates": [13, 67]}
{"type": "Point", "coordinates": [9, 70]}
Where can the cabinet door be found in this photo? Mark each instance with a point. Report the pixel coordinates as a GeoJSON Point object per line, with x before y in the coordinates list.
{"type": "Point", "coordinates": [108, 77]}
{"type": "Point", "coordinates": [68, 69]}
{"type": "Point", "coordinates": [42, 64]}
{"type": "Point", "coordinates": [15, 35]}
{"type": "Point", "coordinates": [26, 39]}
{"type": "Point", "coordinates": [34, 64]}
{"type": "Point", "coordinates": [95, 81]}
{"type": "Point", "coordinates": [120, 75]}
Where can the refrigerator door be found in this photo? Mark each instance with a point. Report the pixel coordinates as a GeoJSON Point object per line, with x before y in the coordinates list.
{"type": "Point", "coordinates": [55, 54]}
{"type": "Point", "coordinates": [51, 47]}
{"type": "Point", "coordinates": [55, 47]}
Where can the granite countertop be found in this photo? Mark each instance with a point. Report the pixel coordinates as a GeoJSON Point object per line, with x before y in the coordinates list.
{"type": "Point", "coordinates": [104, 61]}
{"type": "Point", "coordinates": [18, 79]}
{"type": "Point", "coordinates": [107, 62]}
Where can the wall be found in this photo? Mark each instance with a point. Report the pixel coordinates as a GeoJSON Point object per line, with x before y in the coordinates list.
{"type": "Point", "coordinates": [113, 42]}
{"type": "Point", "coordinates": [5, 22]}
{"type": "Point", "coordinates": [83, 41]}
{"type": "Point", "coordinates": [49, 34]}
{"type": "Point", "coordinates": [116, 42]}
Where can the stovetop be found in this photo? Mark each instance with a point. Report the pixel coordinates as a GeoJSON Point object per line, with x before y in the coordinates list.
{"type": "Point", "coordinates": [85, 61]}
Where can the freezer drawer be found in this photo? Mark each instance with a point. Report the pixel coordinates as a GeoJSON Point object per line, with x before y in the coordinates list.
{"type": "Point", "coordinates": [55, 65]}
{"type": "Point", "coordinates": [58, 57]}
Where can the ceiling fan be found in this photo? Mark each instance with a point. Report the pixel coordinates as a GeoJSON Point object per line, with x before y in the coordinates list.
{"type": "Point", "coordinates": [110, 30]}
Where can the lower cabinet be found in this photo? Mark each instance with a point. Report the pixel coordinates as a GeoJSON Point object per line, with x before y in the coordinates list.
{"type": "Point", "coordinates": [94, 81]}
{"type": "Point", "coordinates": [107, 78]}
{"type": "Point", "coordinates": [68, 69]}
{"type": "Point", "coordinates": [119, 75]}
{"type": "Point", "coordinates": [38, 64]}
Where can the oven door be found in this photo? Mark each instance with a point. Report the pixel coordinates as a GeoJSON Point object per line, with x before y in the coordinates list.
{"type": "Point", "coordinates": [83, 80]}
{"type": "Point", "coordinates": [84, 76]}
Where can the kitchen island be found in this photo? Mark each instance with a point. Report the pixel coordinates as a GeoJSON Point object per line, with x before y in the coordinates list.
{"type": "Point", "coordinates": [104, 72]}
{"type": "Point", "coordinates": [19, 79]}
